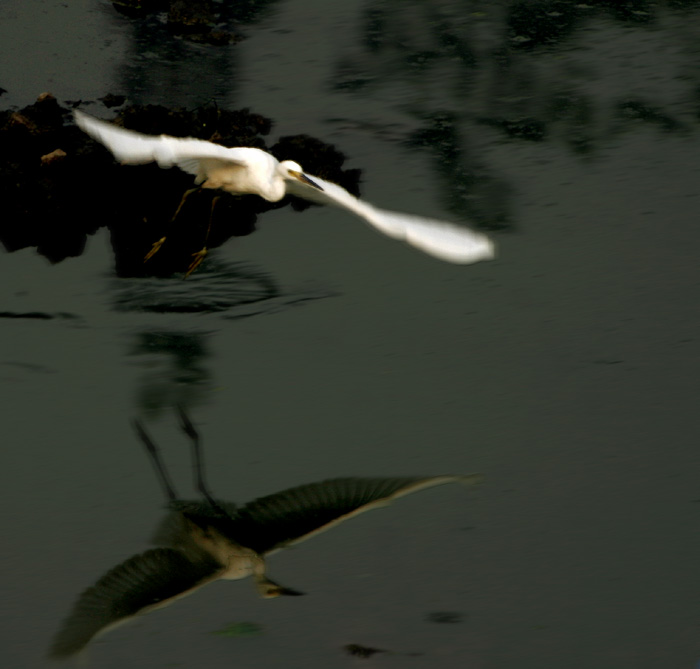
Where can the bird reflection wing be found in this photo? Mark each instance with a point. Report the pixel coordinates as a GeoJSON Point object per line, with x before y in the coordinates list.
{"type": "Point", "coordinates": [446, 241]}
{"type": "Point", "coordinates": [135, 148]}
{"type": "Point", "coordinates": [140, 584]}
{"type": "Point", "coordinates": [293, 515]}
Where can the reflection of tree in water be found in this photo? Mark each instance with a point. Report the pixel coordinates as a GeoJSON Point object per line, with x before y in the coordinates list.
{"type": "Point", "coordinates": [468, 191]}
{"type": "Point", "coordinates": [522, 71]}
{"type": "Point", "coordinates": [160, 66]}
{"type": "Point", "coordinates": [183, 13]}
{"type": "Point", "coordinates": [411, 39]}
{"type": "Point", "coordinates": [426, 53]}
{"type": "Point", "coordinates": [174, 42]}
{"type": "Point", "coordinates": [174, 373]}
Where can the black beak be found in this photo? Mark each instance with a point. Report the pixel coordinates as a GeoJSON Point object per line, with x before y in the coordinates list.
{"type": "Point", "coordinates": [290, 593]}
{"type": "Point", "coordinates": [304, 179]}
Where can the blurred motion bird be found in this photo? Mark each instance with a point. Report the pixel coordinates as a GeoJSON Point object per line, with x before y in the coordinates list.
{"type": "Point", "coordinates": [203, 541]}
{"type": "Point", "coordinates": [246, 170]}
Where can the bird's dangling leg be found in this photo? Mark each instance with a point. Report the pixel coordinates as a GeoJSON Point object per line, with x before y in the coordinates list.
{"type": "Point", "coordinates": [154, 249]}
{"type": "Point", "coordinates": [198, 257]}
{"type": "Point", "coordinates": [156, 245]}
{"type": "Point", "coordinates": [154, 455]}
{"type": "Point", "coordinates": [201, 254]}
{"type": "Point", "coordinates": [198, 462]}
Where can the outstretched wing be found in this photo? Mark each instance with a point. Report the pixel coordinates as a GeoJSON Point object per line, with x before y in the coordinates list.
{"type": "Point", "coordinates": [140, 584]}
{"type": "Point", "coordinates": [290, 516]}
{"type": "Point", "coordinates": [194, 156]}
{"type": "Point", "coordinates": [446, 241]}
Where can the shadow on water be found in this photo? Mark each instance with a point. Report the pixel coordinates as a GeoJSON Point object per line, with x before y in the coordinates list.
{"type": "Point", "coordinates": [204, 541]}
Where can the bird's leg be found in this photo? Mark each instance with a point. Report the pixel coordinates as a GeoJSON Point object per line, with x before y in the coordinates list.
{"type": "Point", "coordinates": [267, 588]}
{"type": "Point", "coordinates": [198, 460]}
{"type": "Point", "coordinates": [154, 455]}
{"type": "Point", "coordinates": [159, 243]}
{"type": "Point", "coordinates": [154, 249]}
{"type": "Point", "coordinates": [200, 255]}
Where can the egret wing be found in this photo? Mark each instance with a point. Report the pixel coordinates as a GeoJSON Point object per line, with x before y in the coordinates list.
{"type": "Point", "coordinates": [290, 516]}
{"type": "Point", "coordinates": [194, 156]}
{"type": "Point", "coordinates": [140, 584]}
{"type": "Point", "coordinates": [446, 241]}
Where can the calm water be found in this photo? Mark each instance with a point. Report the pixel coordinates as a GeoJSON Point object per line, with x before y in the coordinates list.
{"type": "Point", "coordinates": [566, 371]}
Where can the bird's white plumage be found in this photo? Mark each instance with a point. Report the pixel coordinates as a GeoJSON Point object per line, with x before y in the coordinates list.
{"type": "Point", "coordinates": [244, 170]}
{"type": "Point", "coordinates": [136, 148]}
{"type": "Point", "coordinates": [447, 241]}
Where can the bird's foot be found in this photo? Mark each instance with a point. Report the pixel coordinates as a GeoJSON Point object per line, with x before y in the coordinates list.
{"type": "Point", "coordinates": [154, 249]}
{"type": "Point", "coordinates": [198, 257]}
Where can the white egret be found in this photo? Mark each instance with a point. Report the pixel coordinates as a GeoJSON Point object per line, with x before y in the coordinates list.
{"type": "Point", "coordinates": [245, 170]}
{"type": "Point", "coordinates": [204, 541]}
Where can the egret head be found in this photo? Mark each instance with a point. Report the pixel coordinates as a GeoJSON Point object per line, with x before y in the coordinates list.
{"type": "Point", "coordinates": [292, 170]}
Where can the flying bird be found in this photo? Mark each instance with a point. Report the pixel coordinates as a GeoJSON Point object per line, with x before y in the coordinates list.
{"type": "Point", "coordinates": [206, 540]}
{"type": "Point", "coordinates": [245, 170]}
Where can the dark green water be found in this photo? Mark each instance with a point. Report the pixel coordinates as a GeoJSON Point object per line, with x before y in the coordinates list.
{"type": "Point", "coordinates": [566, 371]}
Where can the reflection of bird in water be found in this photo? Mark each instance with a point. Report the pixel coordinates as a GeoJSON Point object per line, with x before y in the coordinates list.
{"type": "Point", "coordinates": [208, 540]}
{"type": "Point", "coordinates": [245, 170]}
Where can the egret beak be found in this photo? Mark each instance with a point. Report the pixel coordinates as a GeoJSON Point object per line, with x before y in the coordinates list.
{"type": "Point", "coordinates": [304, 179]}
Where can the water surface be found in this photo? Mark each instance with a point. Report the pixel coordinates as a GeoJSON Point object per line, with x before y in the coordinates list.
{"type": "Point", "coordinates": [565, 371]}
